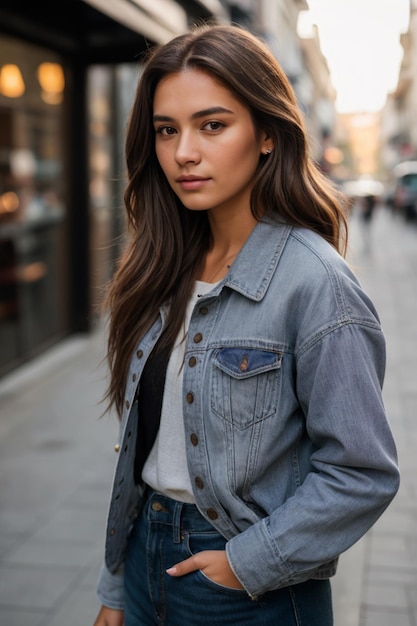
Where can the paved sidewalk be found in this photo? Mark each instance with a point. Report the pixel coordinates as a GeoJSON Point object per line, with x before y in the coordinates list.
{"type": "Point", "coordinates": [388, 271]}
{"type": "Point", "coordinates": [56, 464]}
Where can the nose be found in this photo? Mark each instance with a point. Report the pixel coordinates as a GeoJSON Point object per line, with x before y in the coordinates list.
{"type": "Point", "coordinates": [187, 149]}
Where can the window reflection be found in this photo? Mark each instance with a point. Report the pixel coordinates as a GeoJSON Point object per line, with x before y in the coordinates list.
{"type": "Point", "coordinates": [33, 250]}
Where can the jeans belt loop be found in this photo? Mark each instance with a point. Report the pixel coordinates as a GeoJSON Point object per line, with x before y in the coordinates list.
{"type": "Point", "coordinates": [176, 522]}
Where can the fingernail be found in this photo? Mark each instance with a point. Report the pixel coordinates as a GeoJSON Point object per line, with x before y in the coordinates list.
{"type": "Point", "coordinates": [171, 571]}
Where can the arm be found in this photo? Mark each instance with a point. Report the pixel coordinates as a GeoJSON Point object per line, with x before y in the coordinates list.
{"type": "Point", "coordinates": [109, 617]}
{"type": "Point", "coordinates": [354, 474]}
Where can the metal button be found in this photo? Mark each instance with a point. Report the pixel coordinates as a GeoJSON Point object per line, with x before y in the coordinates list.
{"type": "Point", "coordinates": [139, 354]}
{"type": "Point", "coordinates": [211, 514]}
{"type": "Point", "coordinates": [127, 403]}
{"type": "Point", "coordinates": [198, 337]}
{"type": "Point", "coordinates": [244, 364]}
{"type": "Point", "coordinates": [112, 532]}
{"type": "Point", "coordinates": [116, 447]}
{"type": "Point", "coordinates": [189, 397]}
{"type": "Point", "coordinates": [194, 439]}
{"type": "Point", "coordinates": [203, 310]}
{"type": "Point", "coordinates": [157, 506]}
{"type": "Point", "coordinates": [134, 377]}
{"type": "Point", "coordinates": [199, 482]}
{"type": "Point", "coordinates": [192, 361]}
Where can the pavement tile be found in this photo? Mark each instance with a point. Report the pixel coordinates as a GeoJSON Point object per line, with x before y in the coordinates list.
{"type": "Point", "coordinates": [34, 587]}
{"type": "Point", "coordinates": [48, 552]}
{"type": "Point", "coordinates": [377, 617]}
{"type": "Point", "coordinates": [387, 596]}
{"type": "Point", "coordinates": [77, 609]}
{"type": "Point", "coordinates": [23, 618]}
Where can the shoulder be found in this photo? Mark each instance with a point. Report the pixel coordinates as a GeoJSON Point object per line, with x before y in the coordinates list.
{"type": "Point", "coordinates": [314, 257]}
{"type": "Point", "coordinates": [318, 278]}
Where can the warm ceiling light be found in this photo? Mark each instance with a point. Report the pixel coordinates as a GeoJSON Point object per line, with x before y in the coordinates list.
{"type": "Point", "coordinates": [51, 79]}
{"type": "Point", "coordinates": [11, 81]}
{"type": "Point", "coordinates": [9, 202]}
{"type": "Point", "coordinates": [333, 155]}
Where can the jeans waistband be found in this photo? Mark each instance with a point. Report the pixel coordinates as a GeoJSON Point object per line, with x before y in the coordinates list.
{"type": "Point", "coordinates": [181, 516]}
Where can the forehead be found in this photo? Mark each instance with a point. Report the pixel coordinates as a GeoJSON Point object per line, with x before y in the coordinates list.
{"type": "Point", "coordinates": [191, 88]}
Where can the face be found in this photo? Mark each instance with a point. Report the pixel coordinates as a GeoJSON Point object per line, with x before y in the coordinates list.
{"type": "Point", "coordinates": [206, 142]}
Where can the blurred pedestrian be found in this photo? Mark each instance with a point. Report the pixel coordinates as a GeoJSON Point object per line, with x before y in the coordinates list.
{"type": "Point", "coordinates": [367, 206]}
{"type": "Point", "coordinates": [246, 361]}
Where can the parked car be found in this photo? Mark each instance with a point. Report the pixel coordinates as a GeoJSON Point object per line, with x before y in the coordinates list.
{"type": "Point", "coordinates": [405, 190]}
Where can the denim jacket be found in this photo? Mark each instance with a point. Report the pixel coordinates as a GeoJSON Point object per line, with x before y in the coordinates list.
{"type": "Point", "coordinates": [289, 448]}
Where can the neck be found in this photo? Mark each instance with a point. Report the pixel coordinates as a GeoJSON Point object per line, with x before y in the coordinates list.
{"type": "Point", "coordinates": [228, 239]}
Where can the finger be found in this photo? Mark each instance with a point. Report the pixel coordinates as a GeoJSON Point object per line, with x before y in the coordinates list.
{"type": "Point", "coordinates": [183, 567]}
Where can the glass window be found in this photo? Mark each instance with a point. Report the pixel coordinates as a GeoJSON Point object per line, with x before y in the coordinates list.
{"type": "Point", "coordinates": [33, 236]}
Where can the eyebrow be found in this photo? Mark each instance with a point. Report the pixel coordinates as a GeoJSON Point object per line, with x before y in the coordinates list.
{"type": "Point", "coordinates": [197, 114]}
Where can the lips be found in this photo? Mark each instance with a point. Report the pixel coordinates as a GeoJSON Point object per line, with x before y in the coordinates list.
{"type": "Point", "coordinates": [191, 183]}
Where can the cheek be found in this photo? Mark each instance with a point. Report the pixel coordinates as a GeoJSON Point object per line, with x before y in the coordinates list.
{"type": "Point", "coordinates": [163, 159]}
{"type": "Point", "coordinates": [242, 150]}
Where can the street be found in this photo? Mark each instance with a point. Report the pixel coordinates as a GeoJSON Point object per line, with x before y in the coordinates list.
{"type": "Point", "coordinates": [56, 464]}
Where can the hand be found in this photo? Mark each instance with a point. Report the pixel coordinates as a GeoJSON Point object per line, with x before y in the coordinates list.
{"type": "Point", "coordinates": [213, 563]}
{"type": "Point", "coordinates": [109, 617]}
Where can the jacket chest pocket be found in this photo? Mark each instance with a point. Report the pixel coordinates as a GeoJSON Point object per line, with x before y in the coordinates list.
{"type": "Point", "coordinates": [245, 384]}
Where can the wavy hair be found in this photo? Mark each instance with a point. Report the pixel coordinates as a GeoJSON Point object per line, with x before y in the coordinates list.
{"type": "Point", "coordinates": [167, 242]}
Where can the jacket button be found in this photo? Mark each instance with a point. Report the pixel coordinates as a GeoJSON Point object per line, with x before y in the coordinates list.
{"type": "Point", "coordinates": [134, 377]}
{"type": "Point", "coordinates": [203, 310]}
{"type": "Point", "coordinates": [127, 403]}
{"type": "Point", "coordinates": [211, 514]}
{"type": "Point", "coordinates": [116, 447]}
{"type": "Point", "coordinates": [112, 532]}
{"type": "Point", "coordinates": [198, 337]}
{"type": "Point", "coordinates": [192, 361]}
{"type": "Point", "coordinates": [189, 397]}
{"type": "Point", "coordinates": [244, 364]}
{"type": "Point", "coordinates": [157, 506]}
{"type": "Point", "coordinates": [194, 439]}
{"type": "Point", "coordinates": [139, 354]}
{"type": "Point", "coordinates": [199, 482]}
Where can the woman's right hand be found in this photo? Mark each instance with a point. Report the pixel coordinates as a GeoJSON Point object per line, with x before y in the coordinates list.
{"type": "Point", "coordinates": [109, 617]}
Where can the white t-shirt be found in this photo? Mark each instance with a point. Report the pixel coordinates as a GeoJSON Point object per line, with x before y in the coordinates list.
{"type": "Point", "coordinates": [166, 469]}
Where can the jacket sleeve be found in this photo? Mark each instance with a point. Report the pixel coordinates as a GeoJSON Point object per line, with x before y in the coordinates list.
{"type": "Point", "coordinates": [110, 588]}
{"type": "Point", "coordinates": [353, 472]}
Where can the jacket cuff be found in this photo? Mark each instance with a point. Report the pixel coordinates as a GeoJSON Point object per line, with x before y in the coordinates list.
{"type": "Point", "coordinates": [110, 588]}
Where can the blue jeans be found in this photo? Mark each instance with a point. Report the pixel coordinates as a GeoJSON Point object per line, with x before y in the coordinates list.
{"type": "Point", "coordinates": [167, 532]}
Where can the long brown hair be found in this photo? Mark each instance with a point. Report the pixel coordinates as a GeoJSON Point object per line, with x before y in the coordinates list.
{"type": "Point", "coordinates": [167, 242]}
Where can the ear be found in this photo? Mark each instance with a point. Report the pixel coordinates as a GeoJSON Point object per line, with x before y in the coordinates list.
{"type": "Point", "coordinates": [267, 145]}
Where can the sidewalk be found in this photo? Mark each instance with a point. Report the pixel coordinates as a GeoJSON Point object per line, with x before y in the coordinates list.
{"type": "Point", "coordinates": [56, 464]}
{"type": "Point", "coordinates": [388, 589]}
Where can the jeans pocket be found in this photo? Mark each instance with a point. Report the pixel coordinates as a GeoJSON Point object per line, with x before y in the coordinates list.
{"type": "Point", "coordinates": [199, 541]}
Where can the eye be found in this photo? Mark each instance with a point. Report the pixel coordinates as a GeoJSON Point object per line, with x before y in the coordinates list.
{"type": "Point", "coordinates": [166, 130]}
{"type": "Point", "coordinates": [213, 126]}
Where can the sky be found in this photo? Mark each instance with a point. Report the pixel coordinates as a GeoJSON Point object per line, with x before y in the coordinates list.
{"type": "Point", "coordinates": [360, 40]}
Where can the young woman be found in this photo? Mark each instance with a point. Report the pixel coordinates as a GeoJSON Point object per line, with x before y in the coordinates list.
{"type": "Point", "coordinates": [246, 361]}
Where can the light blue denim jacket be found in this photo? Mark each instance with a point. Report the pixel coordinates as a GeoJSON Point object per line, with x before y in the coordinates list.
{"type": "Point", "coordinates": [289, 449]}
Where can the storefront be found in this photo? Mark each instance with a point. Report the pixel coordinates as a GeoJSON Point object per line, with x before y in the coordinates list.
{"type": "Point", "coordinates": [67, 73]}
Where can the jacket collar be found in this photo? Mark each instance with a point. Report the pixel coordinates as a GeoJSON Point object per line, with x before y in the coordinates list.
{"type": "Point", "coordinates": [256, 263]}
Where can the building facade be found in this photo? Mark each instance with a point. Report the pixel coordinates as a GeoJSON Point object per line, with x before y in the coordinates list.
{"type": "Point", "coordinates": [67, 74]}
{"type": "Point", "coordinates": [67, 71]}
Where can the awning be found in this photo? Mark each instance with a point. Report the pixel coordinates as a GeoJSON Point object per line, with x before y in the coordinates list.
{"type": "Point", "coordinates": [158, 20]}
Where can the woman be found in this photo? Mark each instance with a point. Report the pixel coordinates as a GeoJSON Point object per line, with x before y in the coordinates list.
{"type": "Point", "coordinates": [246, 361]}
